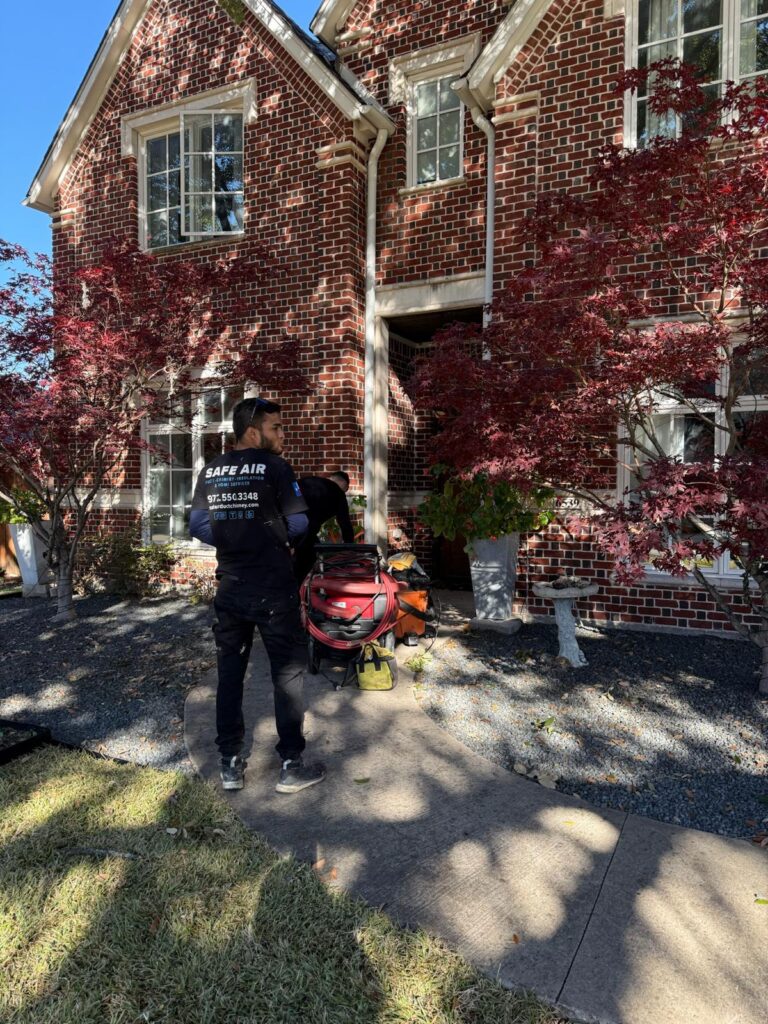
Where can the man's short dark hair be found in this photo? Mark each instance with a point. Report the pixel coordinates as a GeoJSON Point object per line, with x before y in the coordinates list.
{"type": "Point", "coordinates": [250, 413]}
{"type": "Point", "coordinates": [341, 475]}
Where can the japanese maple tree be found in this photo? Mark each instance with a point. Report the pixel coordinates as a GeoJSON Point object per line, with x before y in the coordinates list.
{"type": "Point", "coordinates": [633, 346]}
{"type": "Point", "coordinates": [82, 363]}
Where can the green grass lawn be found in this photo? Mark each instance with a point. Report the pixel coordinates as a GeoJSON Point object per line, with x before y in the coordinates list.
{"type": "Point", "coordinates": [107, 917]}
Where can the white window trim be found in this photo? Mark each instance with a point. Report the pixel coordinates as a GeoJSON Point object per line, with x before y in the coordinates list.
{"type": "Point", "coordinates": [442, 61]}
{"type": "Point", "coordinates": [197, 430]}
{"type": "Point", "coordinates": [731, 43]}
{"type": "Point", "coordinates": [721, 570]}
{"type": "Point", "coordinates": [137, 129]}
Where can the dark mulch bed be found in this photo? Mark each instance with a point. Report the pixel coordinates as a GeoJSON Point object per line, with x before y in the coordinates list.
{"type": "Point", "coordinates": [114, 680]}
{"type": "Point", "coordinates": [667, 726]}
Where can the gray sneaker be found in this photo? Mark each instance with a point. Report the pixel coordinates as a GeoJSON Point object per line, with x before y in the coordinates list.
{"type": "Point", "coordinates": [232, 771]}
{"type": "Point", "coordinates": [295, 775]}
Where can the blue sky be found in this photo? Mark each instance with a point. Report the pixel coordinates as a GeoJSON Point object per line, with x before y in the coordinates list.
{"type": "Point", "coordinates": [45, 50]}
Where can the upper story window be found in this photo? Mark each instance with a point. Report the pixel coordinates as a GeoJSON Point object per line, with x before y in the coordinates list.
{"type": "Point", "coordinates": [194, 180]}
{"type": "Point", "coordinates": [726, 39]}
{"type": "Point", "coordinates": [422, 83]}
{"type": "Point", "coordinates": [190, 159]}
{"type": "Point", "coordinates": [437, 131]}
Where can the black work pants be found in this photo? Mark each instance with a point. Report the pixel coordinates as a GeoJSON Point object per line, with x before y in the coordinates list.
{"type": "Point", "coordinates": [240, 608]}
{"type": "Point", "coordinates": [304, 557]}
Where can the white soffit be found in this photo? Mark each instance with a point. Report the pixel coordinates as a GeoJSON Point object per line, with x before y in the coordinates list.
{"type": "Point", "coordinates": [115, 44]}
{"type": "Point", "coordinates": [330, 19]}
{"type": "Point", "coordinates": [504, 47]}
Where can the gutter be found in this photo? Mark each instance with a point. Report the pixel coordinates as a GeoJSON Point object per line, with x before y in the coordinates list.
{"type": "Point", "coordinates": [376, 511]}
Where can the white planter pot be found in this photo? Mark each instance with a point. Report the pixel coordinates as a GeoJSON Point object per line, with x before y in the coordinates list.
{"type": "Point", "coordinates": [30, 554]}
{"type": "Point", "coordinates": [493, 565]}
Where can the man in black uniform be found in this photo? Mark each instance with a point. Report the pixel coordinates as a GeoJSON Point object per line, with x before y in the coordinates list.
{"type": "Point", "coordinates": [326, 499]}
{"type": "Point", "coordinates": [248, 505]}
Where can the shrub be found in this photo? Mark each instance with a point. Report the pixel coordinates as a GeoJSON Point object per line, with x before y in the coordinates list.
{"type": "Point", "coordinates": [201, 582]}
{"type": "Point", "coordinates": [121, 564]}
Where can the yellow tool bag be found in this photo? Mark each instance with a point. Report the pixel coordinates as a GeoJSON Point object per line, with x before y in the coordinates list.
{"type": "Point", "coordinates": [376, 668]}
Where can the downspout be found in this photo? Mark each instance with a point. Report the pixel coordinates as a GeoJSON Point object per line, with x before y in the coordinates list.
{"type": "Point", "coordinates": [461, 87]}
{"type": "Point", "coordinates": [486, 127]}
{"type": "Point", "coordinates": [374, 513]}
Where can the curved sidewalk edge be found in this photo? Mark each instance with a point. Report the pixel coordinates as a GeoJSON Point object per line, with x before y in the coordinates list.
{"type": "Point", "coordinates": [610, 917]}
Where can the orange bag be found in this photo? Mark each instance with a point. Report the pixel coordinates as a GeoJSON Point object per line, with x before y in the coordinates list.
{"type": "Point", "coordinates": [412, 612]}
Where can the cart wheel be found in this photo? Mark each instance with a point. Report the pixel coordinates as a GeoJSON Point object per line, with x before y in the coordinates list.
{"type": "Point", "coordinates": [314, 655]}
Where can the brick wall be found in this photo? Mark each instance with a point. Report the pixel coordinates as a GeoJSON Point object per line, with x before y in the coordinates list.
{"type": "Point", "coordinates": [418, 232]}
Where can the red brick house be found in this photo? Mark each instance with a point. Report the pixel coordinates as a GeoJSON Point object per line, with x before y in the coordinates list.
{"type": "Point", "coordinates": [361, 158]}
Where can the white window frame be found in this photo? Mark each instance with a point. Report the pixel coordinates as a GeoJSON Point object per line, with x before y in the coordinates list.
{"type": "Point", "coordinates": [412, 129]}
{"type": "Point", "coordinates": [138, 129]}
{"type": "Point", "coordinates": [721, 569]}
{"type": "Point", "coordinates": [198, 430]}
{"type": "Point", "coordinates": [730, 56]}
{"type": "Point", "coordinates": [447, 60]}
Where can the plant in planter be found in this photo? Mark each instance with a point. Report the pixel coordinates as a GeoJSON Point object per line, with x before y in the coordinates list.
{"type": "Point", "coordinates": [24, 513]}
{"type": "Point", "coordinates": [491, 515]}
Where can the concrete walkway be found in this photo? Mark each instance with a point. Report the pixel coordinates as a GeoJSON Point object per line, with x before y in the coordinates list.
{"type": "Point", "coordinates": [610, 917]}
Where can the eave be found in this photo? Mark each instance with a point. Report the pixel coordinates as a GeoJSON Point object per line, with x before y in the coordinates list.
{"type": "Point", "coordinates": [330, 19]}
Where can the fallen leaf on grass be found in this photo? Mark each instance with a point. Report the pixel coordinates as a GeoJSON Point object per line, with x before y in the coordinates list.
{"type": "Point", "coordinates": [611, 777]}
{"type": "Point", "coordinates": [362, 782]}
{"type": "Point", "coordinates": [761, 902]}
{"type": "Point", "coordinates": [319, 865]}
{"type": "Point", "coordinates": [516, 937]}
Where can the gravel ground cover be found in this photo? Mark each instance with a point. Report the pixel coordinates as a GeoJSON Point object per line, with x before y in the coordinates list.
{"type": "Point", "coordinates": [666, 726]}
{"type": "Point", "coordinates": [114, 680]}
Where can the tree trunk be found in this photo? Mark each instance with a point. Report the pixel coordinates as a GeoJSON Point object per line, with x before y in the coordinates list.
{"type": "Point", "coordinates": [65, 611]}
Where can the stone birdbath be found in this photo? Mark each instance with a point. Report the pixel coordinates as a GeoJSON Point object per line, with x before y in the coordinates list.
{"type": "Point", "coordinates": [563, 592]}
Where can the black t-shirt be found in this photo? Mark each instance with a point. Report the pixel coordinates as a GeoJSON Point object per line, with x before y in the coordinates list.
{"type": "Point", "coordinates": [247, 494]}
{"type": "Point", "coordinates": [326, 500]}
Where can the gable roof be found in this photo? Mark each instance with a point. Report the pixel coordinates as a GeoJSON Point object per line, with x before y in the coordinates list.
{"type": "Point", "coordinates": [504, 47]}
{"type": "Point", "coordinates": [314, 58]}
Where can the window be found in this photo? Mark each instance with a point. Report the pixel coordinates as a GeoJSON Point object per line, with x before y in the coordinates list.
{"type": "Point", "coordinates": [194, 180]}
{"type": "Point", "coordinates": [690, 439]}
{"type": "Point", "coordinates": [190, 160]}
{"type": "Point", "coordinates": [437, 131]}
{"type": "Point", "coordinates": [169, 480]}
{"type": "Point", "coordinates": [422, 83]}
{"type": "Point", "coordinates": [725, 39]}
